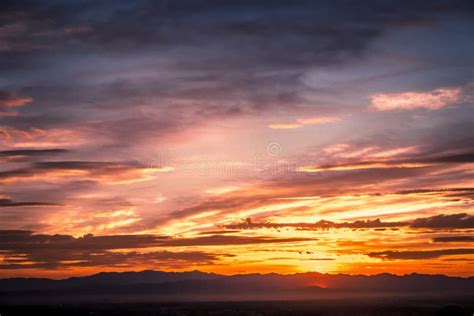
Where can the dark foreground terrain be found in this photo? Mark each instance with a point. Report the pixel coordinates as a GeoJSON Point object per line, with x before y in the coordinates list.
{"type": "Point", "coordinates": [158, 286]}
{"type": "Point", "coordinates": [395, 307]}
{"type": "Point", "coordinates": [197, 293]}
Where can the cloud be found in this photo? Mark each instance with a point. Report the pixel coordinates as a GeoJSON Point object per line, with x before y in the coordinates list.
{"type": "Point", "coordinates": [451, 221]}
{"type": "Point", "coordinates": [231, 202]}
{"type": "Point", "coordinates": [23, 240]}
{"type": "Point", "coordinates": [6, 202]}
{"type": "Point", "coordinates": [107, 172]}
{"type": "Point", "coordinates": [454, 239]}
{"type": "Point", "coordinates": [419, 255]}
{"type": "Point", "coordinates": [223, 240]}
{"type": "Point", "coordinates": [9, 100]}
{"type": "Point", "coordinates": [244, 60]}
{"type": "Point", "coordinates": [23, 249]}
{"type": "Point", "coordinates": [364, 165]}
{"type": "Point", "coordinates": [32, 152]}
{"type": "Point", "coordinates": [455, 192]}
{"type": "Point", "coordinates": [285, 126]}
{"type": "Point", "coordinates": [293, 185]}
{"type": "Point", "coordinates": [432, 100]}
{"type": "Point", "coordinates": [376, 223]}
{"type": "Point", "coordinates": [301, 122]}
{"type": "Point", "coordinates": [69, 259]}
{"type": "Point", "coordinates": [319, 259]}
{"type": "Point", "coordinates": [32, 138]}
{"type": "Point", "coordinates": [394, 161]}
{"type": "Point", "coordinates": [201, 78]}
{"type": "Point", "coordinates": [42, 25]}
{"type": "Point", "coordinates": [22, 155]}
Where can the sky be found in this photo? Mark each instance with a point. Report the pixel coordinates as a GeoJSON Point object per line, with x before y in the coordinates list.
{"type": "Point", "coordinates": [236, 137]}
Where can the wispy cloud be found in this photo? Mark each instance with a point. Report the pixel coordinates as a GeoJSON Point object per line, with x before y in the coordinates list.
{"type": "Point", "coordinates": [9, 100]}
{"type": "Point", "coordinates": [103, 144]}
{"type": "Point", "coordinates": [106, 172]}
{"type": "Point", "coordinates": [305, 121]}
{"type": "Point", "coordinates": [420, 254]}
{"type": "Point", "coordinates": [432, 100]}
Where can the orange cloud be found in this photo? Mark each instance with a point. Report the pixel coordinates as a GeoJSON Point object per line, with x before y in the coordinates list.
{"type": "Point", "coordinates": [285, 126]}
{"type": "Point", "coordinates": [40, 138]}
{"type": "Point", "coordinates": [301, 122]}
{"type": "Point", "coordinates": [104, 172]}
{"type": "Point", "coordinates": [318, 120]}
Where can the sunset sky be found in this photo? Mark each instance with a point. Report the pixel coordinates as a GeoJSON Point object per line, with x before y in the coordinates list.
{"type": "Point", "coordinates": [236, 136]}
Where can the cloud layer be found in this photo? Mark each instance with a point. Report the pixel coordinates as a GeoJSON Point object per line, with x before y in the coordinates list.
{"type": "Point", "coordinates": [249, 136]}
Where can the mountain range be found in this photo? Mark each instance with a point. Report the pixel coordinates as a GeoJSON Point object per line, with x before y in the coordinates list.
{"type": "Point", "coordinates": [151, 285]}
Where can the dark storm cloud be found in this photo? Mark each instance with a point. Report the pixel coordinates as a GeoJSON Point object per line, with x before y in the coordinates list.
{"type": "Point", "coordinates": [419, 255]}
